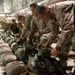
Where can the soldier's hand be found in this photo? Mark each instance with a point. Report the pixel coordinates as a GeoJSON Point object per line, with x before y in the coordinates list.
{"type": "Point", "coordinates": [37, 35]}
{"type": "Point", "coordinates": [45, 45]}
{"type": "Point", "coordinates": [54, 52]}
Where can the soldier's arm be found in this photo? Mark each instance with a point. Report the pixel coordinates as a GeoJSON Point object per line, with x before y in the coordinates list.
{"type": "Point", "coordinates": [53, 34]}
{"type": "Point", "coordinates": [45, 29]}
{"type": "Point", "coordinates": [25, 28]}
{"type": "Point", "coordinates": [32, 29]}
{"type": "Point", "coordinates": [27, 24]}
{"type": "Point", "coordinates": [68, 29]}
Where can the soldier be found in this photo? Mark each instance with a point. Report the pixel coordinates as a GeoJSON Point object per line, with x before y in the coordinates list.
{"type": "Point", "coordinates": [38, 26]}
{"type": "Point", "coordinates": [26, 27]}
{"type": "Point", "coordinates": [53, 33]}
{"type": "Point", "coordinates": [14, 27]}
{"type": "Point", "coordinates": [21, 20]}
{"type": "Point", "coordinates": [63, 17]}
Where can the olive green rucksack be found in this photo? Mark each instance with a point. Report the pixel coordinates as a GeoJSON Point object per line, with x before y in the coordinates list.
{"type": "Point", "coordinates": [43, 50]}
{"type": "Point", "coordinates": [15, 68]}
{"type": "Point", "coordinates": [7, 57]}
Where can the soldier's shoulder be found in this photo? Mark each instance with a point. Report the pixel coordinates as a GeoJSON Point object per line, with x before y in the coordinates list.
{"type": "Point", "coordinates": [61, 5]}
{"type": "Point", "coordinates": [29, 15]}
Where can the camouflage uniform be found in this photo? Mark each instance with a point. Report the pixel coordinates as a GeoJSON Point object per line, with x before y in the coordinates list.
{"type": "Point", "coordinates": [26, 27]}
{"type": "Point", "coordinates": [54, 30]}
{"type": "Point", "coordinates": [14, 28]}
{"type": "Point", "coordinates": [37, 25]}
{"type": "Point", "coordinates": [65, 19]}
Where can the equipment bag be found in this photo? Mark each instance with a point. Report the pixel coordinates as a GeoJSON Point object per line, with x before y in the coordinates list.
{"type": "Point", "coordinates": [13, 46]}
{"type": "Point", "coordinates": [29, 73]}
{"type": "Point", "coordinates": [3, 50]}
{"type": "Point", "coordinates": [4, 45]}
{"type": "Point", "coordinates": [20, 54]}
{"type": "Point", "coordinates": [43, 50]}
{"type": "Point", "coordinates": [5, 36]}
{"type": "Point", "coordinates": [1, 41]}
{"type": "Point", "coordinates": [23, 53]}
{"type": "Point", "coordinates": [11, 41]}
{"type": "Point", "coordinates": [7, 39]}
{"type": "Point", "coordinates": [8, 57]}
{"type": "Point", "coordinates": [15, 68]}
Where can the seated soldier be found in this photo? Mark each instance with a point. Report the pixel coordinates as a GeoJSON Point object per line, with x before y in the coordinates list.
{"type": "Point", "coordinates": [14, 27]}
{"type": "Point", "coordinates": [21, 20]}
{"type": "Point", "coordinates": [26, 27]}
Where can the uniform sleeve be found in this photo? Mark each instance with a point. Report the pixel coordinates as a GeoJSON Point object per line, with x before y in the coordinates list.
{"type": "Point", "coordinates": [53, 34]}
{"type": "Point", "coordinates": [67, 29]}
{"type": "Point", "coordinates": [27, 24]}
{"type": "Point", "coordinates": [45, 30]}
{"type": "Point", "coordinates": [53, 25]}
{"type": "Point", "coordinates": [32, 29]}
